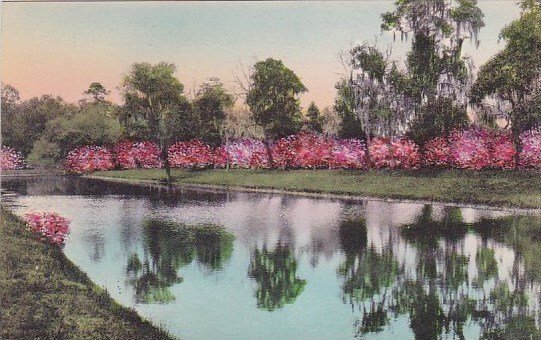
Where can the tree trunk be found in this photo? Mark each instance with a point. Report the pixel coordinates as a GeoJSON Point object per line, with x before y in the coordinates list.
{"type": "Point", "coordinates": [165, 159]}
{"type": "Point", "coordinates": [517, 144]}
{"type": "Point", "coordinates": [269, 153]}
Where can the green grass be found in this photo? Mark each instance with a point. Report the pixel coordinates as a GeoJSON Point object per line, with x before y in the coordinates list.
{"type": "Point", "coordinates": [520, 189]}
{"type": "Point", "coordinates": [45, 296]}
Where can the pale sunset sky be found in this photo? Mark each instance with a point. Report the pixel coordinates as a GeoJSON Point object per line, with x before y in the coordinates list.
{"type": "Point", "coordinates": [60, 48]}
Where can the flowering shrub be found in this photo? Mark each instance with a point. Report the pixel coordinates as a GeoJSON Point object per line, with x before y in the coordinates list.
{"type": "Point", "coordinates": [49, 226]}
{"type": "Point", "coordinates": [474, 148]}
{"type": "Point", "coordinates": [88, 159]}
{"type": "Point", "coordinates": [530, 156]}
{"type": "Point", "coordinates": [470, 149]}
{"type": "Point", "coordinates": [130, 155]}
{"type": "Point", "coordinates": [502, 151]}
{"type": "Point", "coordinates": [243, 153]}
{"type": "Point", "coordinates": [11, 159]}
{"type": "Point", "coordinates": [304, 150]}
{"type": "Point", "coordinates": [396, 154]}
{"type": "Point", "coordinates": [190, 154]}
{"type": "Point", "coordinates": [348, 154]}
{"type": "Point", "coordinates": [437, 152]}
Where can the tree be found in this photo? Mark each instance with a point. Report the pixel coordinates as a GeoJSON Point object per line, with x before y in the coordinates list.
{"type": "Point", "coordinates": [315, 119]}
{"type": "Point", "coordinates": [10, 101]}
{"type": "Point", "coordinates": [28, 119]}
{"type": "Point", "coordinates": [93, 124]}
{"type": "Point", "coordinates": [509, 84]}
{"type": "Point", "coordinates": [273, 100]}
{"type": "Point", "coordinates": [435, 65]}
{"type": "Point", "coordinates": [344, 106]}
{"type": "Point", "coordinates": [155, 104]}
{"type": "Point", "coordinates": [97, 91]}
{"type": "Point", "coordinates": [211, 102]}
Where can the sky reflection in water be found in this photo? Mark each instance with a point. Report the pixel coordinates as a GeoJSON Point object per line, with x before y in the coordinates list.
{"type": "Point", "coordinates": [292, 267]}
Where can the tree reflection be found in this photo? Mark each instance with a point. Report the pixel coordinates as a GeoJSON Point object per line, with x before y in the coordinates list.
{"type": "Point", "coordinates": [167, 248]}
{"type": "Point", "coordinates": [276, 275]}
{"type": "Point", "coordinates": [439, 290]}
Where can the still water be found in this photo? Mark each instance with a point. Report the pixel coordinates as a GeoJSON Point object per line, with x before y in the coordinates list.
{"type": "Point", "coordinates": [292, 267]}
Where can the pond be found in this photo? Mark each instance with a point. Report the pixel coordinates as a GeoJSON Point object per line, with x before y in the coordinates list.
{"type": "Point", "coordinates": [291, 267]}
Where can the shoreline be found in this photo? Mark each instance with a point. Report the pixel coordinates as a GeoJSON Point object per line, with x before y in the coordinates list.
{"type": "Point", "coordinates": [311, 194]}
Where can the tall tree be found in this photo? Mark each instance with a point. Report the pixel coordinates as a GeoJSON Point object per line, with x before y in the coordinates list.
{"type": "Point", "coordinates": [273, 98]}
{"type": "Point", "coordinates": [315, 119]}
{"type": "Point", "coordinates": [211, 103]}
{"type": "Point", "coordinates": [436, 69]}
{"type": "Point", "coordinates": [155, 102]}
{"type": "Point", "coordinates": [97, 91]}
{"type": "Point", "coordinates": [10, 101]}
{"type": "Point", "coordinates": [344, 106]}
{"type": "Point", "coordinates": [509, 84]}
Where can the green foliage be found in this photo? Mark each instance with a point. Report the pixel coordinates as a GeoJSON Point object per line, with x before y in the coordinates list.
{"type": "Point", "coordinates": [437, 118]}
{"type": "Point", "coordinates": [44, 152]}
{"type": "Point", "coordinates": [97, 91]}
{"type": "Point", "coordinates": [93, 124]}
{"type": "Point", "coordinates": [514, 74]}
{"type": "Point", "coordinates": [25, 123]}
{"type": "Point", "coordinates": [315, 119]}
{"type": "Point", "coordinates": [211, 102]}
{"type": "Point", "coordinates": [344, 105]}
{"type": "Point", "coordinates": [154, 105]}
{"type": "Point", "coordinates": [273, 98]}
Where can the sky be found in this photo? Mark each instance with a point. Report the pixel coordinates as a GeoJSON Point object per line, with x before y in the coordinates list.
{"type": "Point", "coordinates": [59, 48]}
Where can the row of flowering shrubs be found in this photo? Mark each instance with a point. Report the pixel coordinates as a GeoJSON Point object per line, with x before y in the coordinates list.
{"type": "Point", "coordinates": [469, 149]}
{"type": "Point", "coordinates": [11, 159]}
{"type": "Point", "coordinates": [49, 226]}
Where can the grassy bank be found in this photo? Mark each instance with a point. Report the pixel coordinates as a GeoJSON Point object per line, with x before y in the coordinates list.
{"type": "Point", "coordinates": [45, 296]}
{"type": "Point", "coordinates": [520, 189]}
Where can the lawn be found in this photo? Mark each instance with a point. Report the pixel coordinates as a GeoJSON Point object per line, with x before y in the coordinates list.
{"type": "Point", "coordinates": [519, 189]}
{"type": "Point", "coordinates": [45, 296]}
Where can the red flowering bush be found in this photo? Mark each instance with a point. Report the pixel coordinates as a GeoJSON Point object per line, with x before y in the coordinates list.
{"type": "Point", "coordinates": [502, 150]}
{"type": "Point", "coordinates": [470, 149]}
{"type": "Point", "coordinates": [11, 159]}
{"type": "Point", "coordinates": [396, 154]}
{"type": "Point", "coordinates": [348, 154]}
{"type": "Point", "coordinates": [304, 150]}
{"type": "Point", "coordinates": [190, 154]}
{"type": "Point", "coordinates": [49, 226]}
{"type": "Point", "coordinates": [530, 157]}
{"type": "Point", "coordinates": [131, 155]}
{"type": "Point", "coordinates": [88, 159]}
{"type": "Point", "coordinates": [437, 152]}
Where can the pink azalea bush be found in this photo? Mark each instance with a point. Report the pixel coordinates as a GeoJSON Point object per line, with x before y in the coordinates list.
{"type": "Point", "coordinates": [89, 158]}
{"type": "Point", "coordinates": [399, 153]}
{"type": "Point", "coordinates": [11, 159]}
{"type": "Point", "coordinates": [348, 154]}
{"type": "Point", "coordinates": [530, 157]}
{"type": "Point", "coordinates": [190, 154]}
{"type": "Point", "coordinates": [131, 155]}
{"type": "Point", "coordinates": [470, 149]}
{"type": "Point", "coordinates": [243, 153]}
{"type": "Point", "coordinates": [49, 226]}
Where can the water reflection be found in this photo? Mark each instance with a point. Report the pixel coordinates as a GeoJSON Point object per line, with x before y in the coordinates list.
{"type": "Point", "coordinates": [276, 275]}
{"type": "Point", "coordinates": [441, 291]}
{"type": "Point", "coordinates": [299, 267]}
{"type": "Point", "coordinates": [167, 248]}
